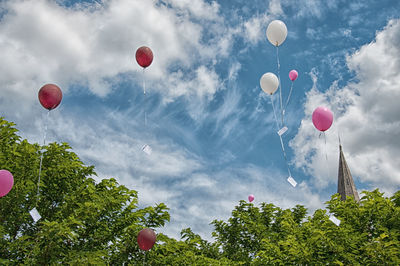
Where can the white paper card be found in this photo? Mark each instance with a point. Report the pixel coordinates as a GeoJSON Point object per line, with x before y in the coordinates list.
{"type": "Point", "coordinates": [147, 149]}
{"type": "Point", "coordinates": [282, 131]}
{"type": "Point", "coordinates": [35, 215]}
{"type": "Point", "coordinates": [292, 181]}
{"type": "Point", "coordinates": [334, 220]}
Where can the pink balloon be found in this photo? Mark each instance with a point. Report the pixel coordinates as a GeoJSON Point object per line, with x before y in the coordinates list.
{"type": "Point", "coordinates": [293, 75]}
{"type": "Point", "coordinates": [6, 182]}
{"type": "Point", "coordinates": [251, 198]}
{"type": "Point", "coordinates": [322, 118]}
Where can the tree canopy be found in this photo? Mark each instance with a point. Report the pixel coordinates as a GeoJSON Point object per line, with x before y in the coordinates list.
{"type": "Point", "coordinates": [82, 221]}
{"type": "Point", "coordinates": [96, 223]}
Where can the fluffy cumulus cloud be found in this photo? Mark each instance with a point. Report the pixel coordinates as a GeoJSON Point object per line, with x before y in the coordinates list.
{"type": "Point", "coordinates": [366, 116]}
{"type": "Point", "coordinates": [90, 45]}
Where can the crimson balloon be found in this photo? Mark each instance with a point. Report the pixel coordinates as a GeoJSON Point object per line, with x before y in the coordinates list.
{"type": "Point", "coordinates": [50, 96]}
{"type": "Point", "coordinates": [144, 56]}
{"type": "Point", "coordinates": [146, 239]}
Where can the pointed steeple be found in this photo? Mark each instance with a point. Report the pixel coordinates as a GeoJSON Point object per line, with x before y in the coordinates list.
{"type": "Point", "coordinates": [346, 185]}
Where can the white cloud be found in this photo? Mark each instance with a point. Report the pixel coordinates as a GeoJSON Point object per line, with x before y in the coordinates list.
{"type": "Point", "coordinates": [366, 115]}
{"type": "Point", "coordinates": [44, 42]}
{"type": "Point", "coordinates": [227, 116]}
{"type": "Point", "coordinates": [255, 28]}
{"type": "Point", "coordinates": [275, 7]}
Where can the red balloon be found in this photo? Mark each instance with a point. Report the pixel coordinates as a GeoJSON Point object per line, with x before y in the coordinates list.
{"type": "Point", "coordinates": [50, 96]}
{"type": "Point", "coordinates": [144, 56]}
{"type": "Point", "coordinates": [146, 239]}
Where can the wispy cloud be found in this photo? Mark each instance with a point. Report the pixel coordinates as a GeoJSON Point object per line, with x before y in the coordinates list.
{"type": "Point", "coordinates": [194, 188]}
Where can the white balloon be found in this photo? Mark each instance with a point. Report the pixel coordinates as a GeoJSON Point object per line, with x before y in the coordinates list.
{"type": "Point", "coordinates": [269, 83]}
{"type": "Point", "coordinates": [276, 32]}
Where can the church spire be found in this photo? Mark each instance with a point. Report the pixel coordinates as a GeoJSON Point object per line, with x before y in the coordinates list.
{"type": "Point", "coordinates": [346, 185]}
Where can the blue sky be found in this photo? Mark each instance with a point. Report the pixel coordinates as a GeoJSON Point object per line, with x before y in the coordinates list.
{"type": "Point", "coordinates": [210, 126]}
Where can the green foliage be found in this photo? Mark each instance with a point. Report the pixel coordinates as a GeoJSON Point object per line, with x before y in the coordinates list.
{"type": "Point", "coordinates": [368, 233]}
{"type": "Point", "coordinates": [89, 223]}
{"type": "Point", "coordinates": [82, 222]}
{"type": "Point", "coordinates": [192, 250]}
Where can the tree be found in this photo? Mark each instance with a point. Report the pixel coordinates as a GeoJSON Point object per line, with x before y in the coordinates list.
{"type": "Point", "coordinates": [82, 222]}
{"type": "Point", "coordinates": [368, 233]}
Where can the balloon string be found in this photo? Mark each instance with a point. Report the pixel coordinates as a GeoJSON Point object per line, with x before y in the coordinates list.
{"type": "Point", "coordinates": [273, 108]}
{"type": "Point", "coordinates": [279, 79]}
{"type": "Point", "coordinates": [288, 99]}
{"type": "Point", "coordinates": [41, 155]}
{"type": "Point", "coordinates": [144, 257]}
{"type": "Point", "coordinates": [144, 94]}
{"type": "Point", "coordinates": [326, 155]}
{"type": "Point", "coordinates": [284, 155]}
{"type": "Point", "coordinates": [280, 137]}
{"type": "Point", "coordinates": [144, 83]}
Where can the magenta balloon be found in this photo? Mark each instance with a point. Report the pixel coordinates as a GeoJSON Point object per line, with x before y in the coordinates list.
{"type": "Point", "coordinates": [322, 118]}
{"type": "Point", "coordinates": [293, 75]}
{"type": "Point", "coordinates": [251, 198]}
{"type": "Point", "coordinates": [6, 182]}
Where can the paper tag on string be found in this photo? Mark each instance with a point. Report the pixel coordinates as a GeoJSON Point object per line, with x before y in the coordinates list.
{"type": "Point", "coordinates": [35, 215]}
{"type": "Point", "coordinates": [292, 181]}
{"type": "Point", "coordinates": [147, 149]}
{"type": "Point", "coordinates": [334, 220]}
{"type": "Point", "coordinates": [282, 131]}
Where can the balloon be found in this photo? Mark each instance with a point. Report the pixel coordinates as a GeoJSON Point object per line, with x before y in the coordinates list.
{"type": "Point", "coordinates": [269, 83]}
{"type": "Point", "coordinates": [251, 198]}
{"type": "Point", "coordinates": [276, 32]}
{"type": "Point", "coordinates": [146, 239]}
{"type": "Point", "coordinates": [6, 182]}
{"type": "Point", "coordinates": [322, 118]}
{"type": "Point", "coordinates": [293, 75]}
{"type": "Point", "coordinates": [144, 56]}
{"type": "Point", "coordinates": [50, 96]}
